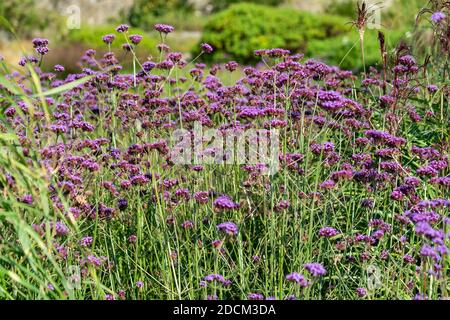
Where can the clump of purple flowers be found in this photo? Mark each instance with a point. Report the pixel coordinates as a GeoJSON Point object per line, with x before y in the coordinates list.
{"type": "Point", "coordinates": [328, 232]}
{"type": "Point", "coordinates": [164, 28]}
{"type": "Point", "coordinates": [41, 46]}
{"type": "Point", "coordinates": [109, 38]}
{"type": "Point", "coordinates": [216, 277]}
{"type": "Point", "coordinates": [225, 203]}
{"type": "Point", "coordinates": [297, 278]}
{"type": "Point", "coordinates": [437, 17]}
{"type": "Point", "coordinates": [315, 269]}
{"type": "Point", "coordinates": [206, 48]}
{"type": "Point", "coordinates": [228, 227]}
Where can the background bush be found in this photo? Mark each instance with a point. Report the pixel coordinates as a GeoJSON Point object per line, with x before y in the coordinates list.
{"type": "Point", "coordinates": [345, 8]}
{"type": "Point", "coordinates": [25, 18]}
{"type": "Point", "coordinates": [243, 28]}
{"type": "Point", "coordinates": [219, 5]}
{"type": "Point", "coordinates": [145, 13]}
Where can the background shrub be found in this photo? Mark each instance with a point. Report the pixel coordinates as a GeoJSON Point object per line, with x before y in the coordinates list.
{"type": "Point", "coordinates": [145, 14]}
{"type": "Point", "coordinates": [345, 8]}
{"type": "Point", "coordinates": [219, 5]}
{"type": "Point", "coordinates": [144, 11]}
{"type": "Point", "coordinates": [25, 18]}
{"type": "Point", "coordinates": [243, 28]}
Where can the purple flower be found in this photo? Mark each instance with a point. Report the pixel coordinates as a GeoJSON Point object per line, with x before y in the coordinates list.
{"type": "Point", "coordinates": [109, 297]}
{"type": "Point", "coordinates": [397, 195]}
{"type": "Point", "coordinates": [94, 261]}
{"type": "Point", "coordinates": [135, 39]}
{"type": "Point", "coordinates": [148, 66]}
{"type": "Point", "coordinates": [132, 239]}
{"type": "Point", "coordinates": [27, 199]}
{"type": "Point", "coordinates": [361, 292]}
{"type": "Point", "coordinates": [315, 269]}
{"type": "Point", "coordinates": [122, 204]}
{"type": "Point", "coordinates": [201, 197]}
{"type": "Point", "coordinates": [432, 88]}
{"type": "Point", "coordinates": [225, 203]}
{"type": "Point", "coordinates": [216, 243]}
{"type": "Point", "coordinates": [59, 68]}
{"type": "Point", "coordinates": [368, 203]}
{"type": "Point", "coordinates": [228, 227]}
{"type": "Point", "coordinates": [86, 241]}
{"type": "Point", "coordinates": [231, 66]}
{"type": "Point", "coordinates": [122, 28]}
{"type": "Point", "coordinates": [255, 296]}
{"type": "Point", "coordinates": [121, 294]}
{"type": "Point", "coordinates": [206, 48]}
{"type": "Point", "coordinates": [127, 47]}
{"type": "Point", "coordinates": [217, 277]}
{"type": "Point", "coordinates": [39, 42]}
{"type": "Point", "coordinates": [59, 227]}
{"type": "Point", "coordinates": [40, 45]}
{"type": "Point", "coordinates": [109, 38]}
{"type": "Point", "coordinates": [256, 259]}
{"type": "Point", "coordinates": [188, 224]}
{"type": "Point", "coordinates": [282, 205]}
{"type": "Point", "coordinates": [328, 232]}
{"type": "Point", "coordinates": [298, 278]}
{"type": "Point", "coordinates": [328, 184]}
{"type": "Point", "coordinates": [164, 28]}
{"type": "Point", "coordinates": [437, 17]}
{"type": "Point", "coordinates": [408, 258]}
{"type": "Point", "coordinates": [139, 284]}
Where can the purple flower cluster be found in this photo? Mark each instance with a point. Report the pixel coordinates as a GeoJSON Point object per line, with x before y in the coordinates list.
{"type": "Point", "coordinates": [41, 46]}
{"type": "Point", "coordinates": [216, 277]}
{"type": "Point", "coordinates": [297, 278]}
{"type": "Point", "coordinates": [315, 269]}
{"type": "Point", "coordinates": [225, 203]}
{"type": "Point", "coordinates": [328, 232]}
{"type": "Point", "coordinates": [164, 28]}
{"type": "Point", "coordinates": [228, 227]}
{"type": "Point", "coordinates": [437, 17]}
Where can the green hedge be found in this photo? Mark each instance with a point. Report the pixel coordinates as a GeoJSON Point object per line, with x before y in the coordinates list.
{"type": "Point", "coordinates": [236, 32]}
{"type": "Point", "coordinates": [345, 50]}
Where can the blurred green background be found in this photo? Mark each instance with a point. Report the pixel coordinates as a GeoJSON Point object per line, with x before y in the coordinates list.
{"type": "Point", "coordinates": [317, 28]}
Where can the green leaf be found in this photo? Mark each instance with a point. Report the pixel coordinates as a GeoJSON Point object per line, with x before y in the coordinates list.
{"type": "Point", "coordinates": [63, 88]}
{"type": "Point", "coordinates": [10, 86]}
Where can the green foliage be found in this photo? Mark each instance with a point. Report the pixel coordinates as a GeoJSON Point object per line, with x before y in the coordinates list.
{"type": "Point", "coordinates": [24, 17]}
{"type": "Point", "coordinates": [145, 13]}
{"type": "Point", "coordinates": [219, 5]}
{"type": "Point", "coordinates": [346, 8]}
{"type": "Point", "coordinates": [402, 13]}
{"type": "Point", "coordinates": [345, 50]}
{"type": "Point", "coordinates": [243, 28]}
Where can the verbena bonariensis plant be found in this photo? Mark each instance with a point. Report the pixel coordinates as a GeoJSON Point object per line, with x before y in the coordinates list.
{"type": "Point", "coordinates": [93, 207]}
